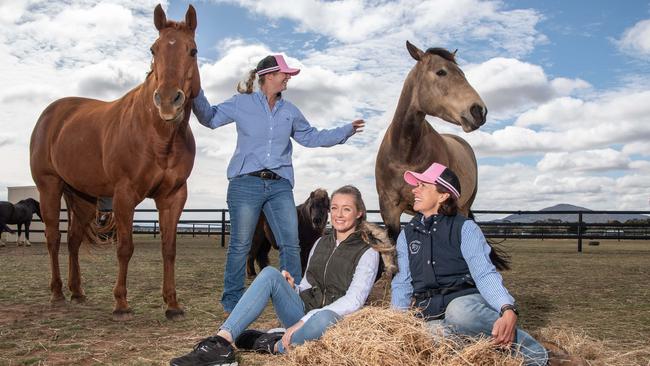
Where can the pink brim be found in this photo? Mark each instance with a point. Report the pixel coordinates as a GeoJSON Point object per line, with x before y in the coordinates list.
{"type": "Point", "coordinates": [284, 67]}
{"type": "Point", "coordinates": [412, 178]}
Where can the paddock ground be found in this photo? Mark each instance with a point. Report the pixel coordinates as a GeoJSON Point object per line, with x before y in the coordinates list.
{"type": "Point", "coordinates": [603, 292]}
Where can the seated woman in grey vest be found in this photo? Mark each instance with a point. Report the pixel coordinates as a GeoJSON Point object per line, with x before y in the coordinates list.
{"type": "Point", "coordinates": [446, 273]}
{"type": "Point", "coordinates": [340, 273]}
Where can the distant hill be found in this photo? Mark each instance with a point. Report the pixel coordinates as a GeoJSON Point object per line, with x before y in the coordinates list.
{"type": "Point", "coordinates": [586, 217]}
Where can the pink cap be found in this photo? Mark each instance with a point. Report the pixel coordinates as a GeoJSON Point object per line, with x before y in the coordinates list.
{"type": "Point", "coordinates": [275, 63]}
{"type": "Point", "coordinates": [436, 173]}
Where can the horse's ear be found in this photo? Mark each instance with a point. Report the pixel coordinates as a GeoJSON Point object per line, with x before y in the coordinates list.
{"type": "Point", "coordinates": [190, 18]}
{"type": "Point", "coordinates": [415, 52]}
{"type": "Point", "coordinates": [159, 18]}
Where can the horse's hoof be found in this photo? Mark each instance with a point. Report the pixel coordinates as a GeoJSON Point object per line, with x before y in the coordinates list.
{"type": "Point", "coordinates": [19, 244]}
{"type": "Point", "coordinates": [57, 300]}
{"type": "Point", "coordinates": [122, 315]}
{"type": "Point", "coordinates": [79, 299]}
{"type": "Point", "coordinates": [175, 314]}
{"type": "Point", "coordinates": [28, 244]}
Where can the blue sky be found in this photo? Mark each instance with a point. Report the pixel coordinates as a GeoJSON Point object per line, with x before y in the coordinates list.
{"type": "Point", "coordinates": [567, 84]}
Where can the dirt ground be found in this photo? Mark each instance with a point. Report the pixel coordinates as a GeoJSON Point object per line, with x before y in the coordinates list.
{"type": "Point", "coordinates": [603, 292]}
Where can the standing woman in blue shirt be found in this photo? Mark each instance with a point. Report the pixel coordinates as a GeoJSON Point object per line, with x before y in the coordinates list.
{"type": "Point", "coordinates": [445, 271]}
{"type": "Point", "coordinates": [260, 172]}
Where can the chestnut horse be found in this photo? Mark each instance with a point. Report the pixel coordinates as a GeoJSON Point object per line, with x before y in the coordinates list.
{"type": "Point", "coordinates": [135, 147]}
{"type": "Point", "coordinates": [435, 86]}
{"type": "Point", "coordinates": [312, 218]}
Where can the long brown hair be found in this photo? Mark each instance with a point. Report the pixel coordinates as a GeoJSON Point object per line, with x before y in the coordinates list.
{"type": "Point", "coordinates": [372, 234]}
{"type": "Point", "coordinates": [449, 207]}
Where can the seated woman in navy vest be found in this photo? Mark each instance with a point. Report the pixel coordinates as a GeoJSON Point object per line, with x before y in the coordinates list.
{"type": "Point", "coordinates": [446, 273]}
{"type": "Point", "coordinates": [340, 273]}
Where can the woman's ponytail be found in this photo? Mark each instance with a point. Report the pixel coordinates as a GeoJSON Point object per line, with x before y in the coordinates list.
{"type": "Point", "coordinates": [247, 88]}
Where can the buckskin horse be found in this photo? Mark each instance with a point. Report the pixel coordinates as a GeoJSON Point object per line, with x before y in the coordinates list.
{"type": "Point", "coordinates": [312, 218]}
{"type": "Point", "coordinates": [135, 147]}
{"type": "Point", "coordinates": [435, 86]}
{"type": "Point", "coordinates": [19, 214]}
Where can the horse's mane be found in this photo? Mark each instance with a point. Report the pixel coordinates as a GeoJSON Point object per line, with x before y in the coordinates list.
{"type": "Point", "coordinates": [442, 53]}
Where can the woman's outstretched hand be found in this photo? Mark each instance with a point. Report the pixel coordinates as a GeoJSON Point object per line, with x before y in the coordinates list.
{"type": "Point", "coordinates": [286, 338]}
{"type": "Point", "coordinates": [358, 125]}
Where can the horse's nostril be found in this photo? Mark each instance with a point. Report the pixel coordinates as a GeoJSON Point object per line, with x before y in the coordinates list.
{"type": "Point", "coordinates": [179, 98]}
{"type": "Point", "coordinates": [479, 113]}
{"type": "Point", "coordinates": [156, 98]}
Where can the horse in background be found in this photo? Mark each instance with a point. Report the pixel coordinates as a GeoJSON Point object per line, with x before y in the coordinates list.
{"type": "Point", "coordinates": [312, 218]}
{"type": "Point", "coordinates": [18, 214]}
{"type": "Point", "coordinates": [435, 86]}
{"type": "Point", "coordinates": [138, 146]}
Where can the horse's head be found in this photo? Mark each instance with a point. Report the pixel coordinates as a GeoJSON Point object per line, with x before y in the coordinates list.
{"type": "Point", "coordinates": [33, 205]}
{"type": "Point", "coordinates": [441, 89]}
{"type": "Point", "coordinates": [174, 66]}
{"type": "Point", "coordinates": [318, 204]}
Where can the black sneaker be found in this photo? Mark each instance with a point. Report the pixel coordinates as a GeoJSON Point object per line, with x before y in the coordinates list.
{"type": "Point", "coordinates": [255, 340]}
{"type": "Point", "coordinates": [212, 351]}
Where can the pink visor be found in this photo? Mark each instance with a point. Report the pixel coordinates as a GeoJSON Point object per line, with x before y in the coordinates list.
{"type": "Point", "coordinates": [434, 174]}
{"type": "Point", "coordinates": [275, 63]}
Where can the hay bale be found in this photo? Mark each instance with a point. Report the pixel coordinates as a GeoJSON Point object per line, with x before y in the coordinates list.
{"type": "Point", "coordinates": [377, 336]}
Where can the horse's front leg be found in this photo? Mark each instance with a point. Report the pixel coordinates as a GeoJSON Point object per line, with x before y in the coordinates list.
{"type": "Point", "coordinates": [124, 202]}
{"type": "Point", "coordinates": [50, 189]}
{"type": "Point", "coordinates": [390, 214]}
{"type": "Point", "coordinates": [19, 237]}
{"type": "Point", "coordinates": [170, 207]}
{"type": "Point", "coordinates": [27, 242]}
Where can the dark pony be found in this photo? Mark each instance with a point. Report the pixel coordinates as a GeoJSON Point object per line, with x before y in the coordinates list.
{"type": "Point", "coordinates": [19, 214]}
{"type": "Point", "coordinates": [312, 218]}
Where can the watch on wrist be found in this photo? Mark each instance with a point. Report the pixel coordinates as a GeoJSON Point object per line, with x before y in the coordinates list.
{"type": "Point", "coordinates": [508, 307]}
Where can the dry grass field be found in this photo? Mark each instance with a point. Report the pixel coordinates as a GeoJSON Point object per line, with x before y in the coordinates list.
{"type": "Point", "coordinates": [602, 293]}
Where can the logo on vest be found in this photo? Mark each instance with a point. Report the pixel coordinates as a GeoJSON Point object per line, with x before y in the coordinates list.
{"type": "Point", "coordinates": [414, 246]}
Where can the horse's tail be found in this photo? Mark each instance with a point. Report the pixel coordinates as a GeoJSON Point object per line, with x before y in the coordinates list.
{"type": "Point", "coordinates": [6, 228]}
{"type": "Point", "coordinates": [83, 207]}
{"type": "Point", "coordinates": [499, 257]}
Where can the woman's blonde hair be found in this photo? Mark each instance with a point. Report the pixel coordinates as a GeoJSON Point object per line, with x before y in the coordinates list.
{"type": "Point", "coordinates": [247, 87]}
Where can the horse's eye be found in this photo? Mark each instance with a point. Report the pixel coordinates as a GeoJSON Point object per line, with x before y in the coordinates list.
{"type": "Point", "coordinates": [441, 72]}
{"type": "Point", "coordinates": [151, 49]}
{"type": "Point", "coordinates": [193, 52]}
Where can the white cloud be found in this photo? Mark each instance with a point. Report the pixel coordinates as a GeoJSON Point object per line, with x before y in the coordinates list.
{"type": "Point", "coordinates": [509, 86]}
{"type": "Point", "coordinates": [590, 160]}
{"type": "Point", "coordinates": [572, 135]}
{"type": "Point", "coordinates": [640, 147]}
{"type": "Point", "coordinates": [355, 22]}
{"type": "Point", "coordinates": [10, 11]}
{"type": "Point", "coordinates": [636, 40]}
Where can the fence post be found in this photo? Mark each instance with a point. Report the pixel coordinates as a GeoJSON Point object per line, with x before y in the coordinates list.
{"type": "Point", "coordinates": [223, 228]}
{"type": "Point", "coordinates": [579, 232]}
{"type": "Point", "coordinates": [208, 230]}
{"type": "Point", "coordinates": [155, 228]}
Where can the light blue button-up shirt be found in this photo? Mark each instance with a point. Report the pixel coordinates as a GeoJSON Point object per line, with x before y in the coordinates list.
{"type": "Point", "coordinates": [476, 253]}
{"type": "Point", "coordinates": [262, 134]}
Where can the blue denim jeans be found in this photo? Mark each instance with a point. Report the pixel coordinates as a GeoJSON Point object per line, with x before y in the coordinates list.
{"type": "Point", "coordinates": [289, 307]}
{"type": "Point", "coordinates": [471, 315]}
{"type": "Point", "coordinates": [247, 197]}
